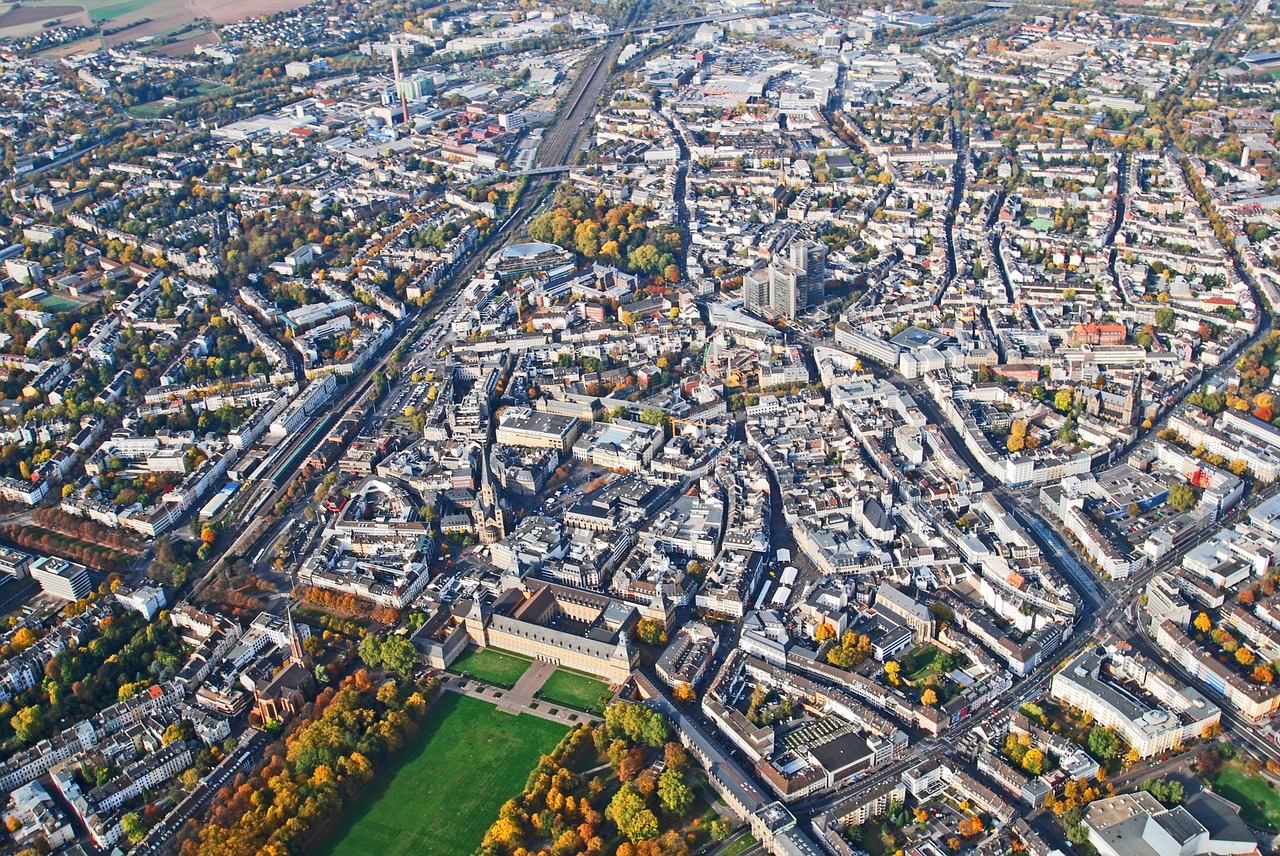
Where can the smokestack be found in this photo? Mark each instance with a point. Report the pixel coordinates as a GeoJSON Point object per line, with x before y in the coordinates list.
{"type": "Point", "coordinates": [395, 71]}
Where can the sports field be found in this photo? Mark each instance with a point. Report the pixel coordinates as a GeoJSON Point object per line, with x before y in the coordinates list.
{"type": "Point", "coordinates": [576, 690]}
{"type": "Point", "coordinates": [492, 667]}
{"type": "Point", "coordinates": [468, 759]}
{"type": "Point", "coordinates": [58, 303]}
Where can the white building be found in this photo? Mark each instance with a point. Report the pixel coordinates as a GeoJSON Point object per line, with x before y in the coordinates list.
{"type": "Point", "coordinates": [60, 578]}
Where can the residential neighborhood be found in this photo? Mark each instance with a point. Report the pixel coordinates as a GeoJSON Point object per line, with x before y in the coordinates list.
{"type": "Point", "coordinates": [651, 428]}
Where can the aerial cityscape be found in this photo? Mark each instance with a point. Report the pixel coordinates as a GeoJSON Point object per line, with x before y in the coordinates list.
{"type": "Point", "coordinates": [639, 428]}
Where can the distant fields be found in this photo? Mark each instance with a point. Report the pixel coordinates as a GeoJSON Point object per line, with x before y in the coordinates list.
{"type": "Point", "coordinates": [118, 9]}
{"type": "Point", "coordinates": [468, 759]}
{"type": "Point", "coordinates": [163, 17]}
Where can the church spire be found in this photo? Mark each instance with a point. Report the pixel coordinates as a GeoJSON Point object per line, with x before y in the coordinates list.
{"type": "Point", "coordinates": [296, 652]}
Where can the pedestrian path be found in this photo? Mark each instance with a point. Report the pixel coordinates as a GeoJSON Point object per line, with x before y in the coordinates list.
{"type": "Point", "coordinates": [526, 689]}
{"type": "Point", "coordinates": [520, 698]}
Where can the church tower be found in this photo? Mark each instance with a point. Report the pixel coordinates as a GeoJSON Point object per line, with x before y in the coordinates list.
{"type": "Point", "coordinates": [297, 654]}
{"type": "Point", "coordinates": [489, 513]}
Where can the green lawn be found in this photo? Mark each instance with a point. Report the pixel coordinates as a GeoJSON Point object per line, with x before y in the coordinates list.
{"type": "Point", "coordinates": [925, 663]}
{"type": "Point", "coordinates": [576, 690]}
{"type": "Point", "coordinates": [491, 666]}
{"type": "Point", "coordinates": [468, 759]}
{"type": "Point", "coordinates": [745, 842]}
{"type": "Point", "coordinates": [162, 108]}
{"type": "Point", "coordinates": [1258, 799]}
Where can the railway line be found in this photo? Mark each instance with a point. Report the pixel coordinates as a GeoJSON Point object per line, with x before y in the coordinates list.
{"type": "Point", "coordinates": [556, 151]}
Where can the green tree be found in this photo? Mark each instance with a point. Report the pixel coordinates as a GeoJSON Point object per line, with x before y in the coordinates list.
{"type": "Point", "coordinates": [720, 829]}
{"type": "Point", "coordinates": [1168, 791]}
{"type": "Point", "coordinates": [399, 656]}
{"type": "Point", "coordinates": [370, 650]}
{"type": "Point", "coordinates": [627, 804]}
{"type": "Point", "coordinates": [637, 723]}
{"type": "Point", "coordinates": [1165, 318]}
{"type": "Point", "coordinates": [654, 416]}
{"type": "Point", "coordinates": [133, 828]}
{"type": "Point", "coordinates": [28, 725]}
{"type": "Point", "coordinates": [1103, 743]}
{"type": "Point", "coordinates": [1182, 497]}
{"type": "Point", "coordinates": [644, 259]}
{"type": "Point", "coordinates": [674, 792]}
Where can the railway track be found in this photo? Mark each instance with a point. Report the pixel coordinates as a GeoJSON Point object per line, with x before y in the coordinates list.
{"type": "Point", "coordinates": [557, 149]}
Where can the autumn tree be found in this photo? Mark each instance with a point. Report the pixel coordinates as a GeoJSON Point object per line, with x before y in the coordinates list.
{"type": "Point", "coordinates": [23, 639]}
{"type": "Point", "coordinates": [852, 650]}
{"type": "Point", "coordinates": [675, 757]}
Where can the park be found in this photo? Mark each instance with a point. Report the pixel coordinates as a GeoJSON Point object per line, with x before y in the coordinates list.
{"type": "Point", "coordinates": [468, 758]}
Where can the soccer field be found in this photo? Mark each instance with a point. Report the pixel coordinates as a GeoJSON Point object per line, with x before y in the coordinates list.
{"type": "Point", "coordinates": [468, 759]}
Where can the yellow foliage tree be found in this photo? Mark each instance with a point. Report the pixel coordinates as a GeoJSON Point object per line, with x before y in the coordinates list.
{"type": "Point", "coordinates": [23, 639]}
